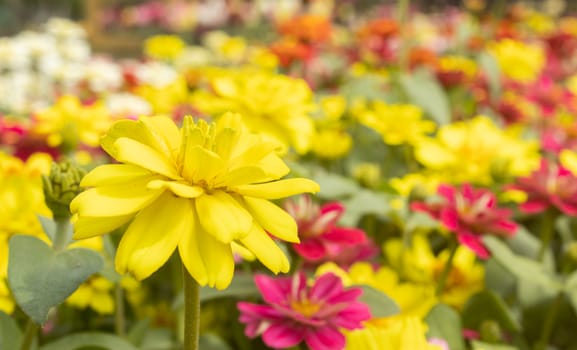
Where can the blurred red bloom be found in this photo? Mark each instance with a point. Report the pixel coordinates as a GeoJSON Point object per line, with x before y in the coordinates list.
{"type": "Point", "coordinates": [551, 185]}
{"type": "Point", "coordinates": [321, 238]}
{"type": "Point", "coordinates": [469, 213]}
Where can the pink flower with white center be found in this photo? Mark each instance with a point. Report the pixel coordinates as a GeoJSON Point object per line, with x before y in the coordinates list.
{"type": "Point", "coordinates": [551, 185]}
{"type": "Point", "coordinates": [321, 238]}
{"type": "Point", "coordinates": [469, 213]}
{"type": "Point", "coordinates": [295, 312]}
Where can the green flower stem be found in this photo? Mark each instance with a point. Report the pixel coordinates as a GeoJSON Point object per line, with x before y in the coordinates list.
{"type": "Point", "coordinates": [453, 245]}
{"type": "Point", "coordinates": [547, 231]}
{"type": "Point", "coordinates": [61, 237]}
{"type": "Point", "coordinates": [402, 13]}
{"type": "Point", "coordinates": [119, 320]}
{"type": "Point", "coordinates": [549, 322]}
{"type": "Point", "coordinates": [191, 311]}
{"type": "Point", "coordinates": [29, 335]}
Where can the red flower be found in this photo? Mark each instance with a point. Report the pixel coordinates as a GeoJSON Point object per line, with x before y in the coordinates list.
{"type": "Point", "coordinates": [321, 238]}
{"type": "Point", "coordinates": [295, 312]}
{"type": "Point", "coordinates": [551, 185]}
{"type": "Point", "coordinates": [469, 213]}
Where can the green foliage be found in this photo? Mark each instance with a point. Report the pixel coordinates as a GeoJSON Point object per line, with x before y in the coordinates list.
{"type": "Point", "coordinates": [424, 91]}
{"type": "Point", "coordinates": [41, 278]}
{"type": "Point", "coordinates": [10, 334]}
{"type": "Point", "coordinates": [488, 306]}
{"type": "Point", "coordinates": [381, 305]}
{"type": "Point", "coordinates": [90, 339]}
{"type": "Point", "coordinates": [445, 323]}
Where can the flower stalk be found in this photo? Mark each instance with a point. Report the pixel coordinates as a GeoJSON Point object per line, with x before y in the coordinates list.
{"type": "Point", "coordinates": [448, 266]}
{"type": "Point", "coordinates": [29, 335]}
{"type": "Point", "coordinates": [191, 311]}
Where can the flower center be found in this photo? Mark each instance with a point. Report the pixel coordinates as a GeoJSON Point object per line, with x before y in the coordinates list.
{"type": "Point", "coordinates": [305, 307]}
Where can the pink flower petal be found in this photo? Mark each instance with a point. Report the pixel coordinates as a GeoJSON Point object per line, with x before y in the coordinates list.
{"type": "Point", "coordinates": [281, 336]}
{"type": "Point", "coordinates": [345, 235]}
{"type": "Point", "coordinates": [474, 243]}
{"type": "Point", "coordinates": [326, 286]}
{"type": "Point", "coordinates": [325, 338]}
{"type": "Point", "coordinates": [311, 249]}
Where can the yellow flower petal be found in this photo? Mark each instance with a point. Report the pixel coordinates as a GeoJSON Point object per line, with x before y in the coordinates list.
{"type": "Point", "coordinates": [278, 189]}
{"type": "Point", "coordinates": [153, 236]}
{"type": "Point", "coordinates": [266, 250]}
{"type": "Point", "coordinates": [86, 226]}
{"type": "Point", "coordinates": [218, 260]}
{"type": "Point", "coordinates": [190, 249]}
{"type": "Point", "coordinates": [164, 133]}
{"type": "Point", "coordinates": [201, 164]}
{"type": "Point", "coordinates": [241, 176]}
{"type": "Point", "coordinates": [115, 200]}
{"type": "Point", "coordinates": [223, 217]}
{"type": "Point", "coordinates": [102, 303]}
{"type": "Point", "coordinates": [123, 128]}
{"type": "Point", "coordinates": [113, 174]}
{"type": "Point", "coordinates": [134, 152]}
{"type": "Point", "coordinates": [178, 188]}
{"type": "Point", "coordinates": [273, 219]}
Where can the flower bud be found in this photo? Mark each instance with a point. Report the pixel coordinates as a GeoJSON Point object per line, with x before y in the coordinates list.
{"type": "Point", "coordinates": [61, 186]}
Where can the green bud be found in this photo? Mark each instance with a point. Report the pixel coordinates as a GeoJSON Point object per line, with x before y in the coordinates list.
{"type": "Point", "coordinates": [490, 331]}
{"type": "Point", "coordinates": [61, 186]}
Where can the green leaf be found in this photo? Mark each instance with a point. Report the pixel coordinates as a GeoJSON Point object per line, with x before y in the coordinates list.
{"type": "Point", "coordinates": [368, 87]}
{"type": "Point", "coordinates": [445, 323]}
{"type": "Point", "coordinates": [571, 289]}
{"type": "Point", "coordinates": [477, 345]}
{"type": "Point", "coordinates": [90, 339]}
{"type": "Point", "coordinates": [487, 305]}
{"type": "Point", "coordinates": [335, 186]}
{"type": "Point", "coordinates": [362, 203]}
{"type": "Point", "coordinates": [521, 267]}
{"type": "Point", "coordinates": [138, 331]}
{"type": "Point", "coordinates": [525, 244]}
{"type": "Point", "coordinates": [424, 91]}
{"type": "Point", "coordinates": [10, 334]}
{"type": "Point", "coordinates": [490, 66]}
{"type": "Point", "coordinates": [380, 304]}
{"type": "Point", "coordinates": [41, 278]}
{"type": "Point", "coordinates": [242, 285]}
{"type": "Point", "coordinates": [48, 226]}
{"type": "Point", "coordinates": [212, 342]}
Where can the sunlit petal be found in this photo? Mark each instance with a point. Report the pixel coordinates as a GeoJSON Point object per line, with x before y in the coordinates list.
{"type": "Point", "coordinates": [278, 189]}
{"type": "Point", "coordinates": [223, 217]}
{"type": "Point", "coordinates": [153, 236]}
{"type": "Point", "coordinates": [134, 152]}
{"type": "Point", "coordinates": [266, 250]}
{"type": "Point", "coordinates": [273, 219]}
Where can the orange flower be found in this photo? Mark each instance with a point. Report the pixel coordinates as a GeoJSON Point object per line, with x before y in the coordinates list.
{"type": "Point", "coordinates": [307, 28]}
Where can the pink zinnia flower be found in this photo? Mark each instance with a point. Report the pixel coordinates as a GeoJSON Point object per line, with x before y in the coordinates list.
{"type": "Point", "coordinates": [469, 213]}
{"type": "Point", "coordinates": [321, 238]}
{"type": "Point", "coordinates": [297, 312]}
{"type": "Point", "coordinates": [551, 185]}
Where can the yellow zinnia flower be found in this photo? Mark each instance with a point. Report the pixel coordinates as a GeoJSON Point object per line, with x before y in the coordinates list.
{"type": "Point", "coordinates": [95, 293]}
{"type": "Point", "coordinates": [164, 47]}
{"type": "Point", "coordinates": [276, 105]}
{"type": "Point", "coordinates": [518, 61]}
{"type": "Point", "coordinates": [68, 123]}
{"type": "Point", "coordinates": [397, 123]}
{"type": "Point", "coordinates": [198, 189]}
{"type": "Point", "coordinates": [477, 151]}
{"type": "Point", "coordinates": [407, 333]}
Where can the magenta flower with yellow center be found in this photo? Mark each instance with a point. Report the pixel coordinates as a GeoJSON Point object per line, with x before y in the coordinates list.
{"type": "Point", "coordinates": [296, 312]}
{"type": "Point", "coordinates": [197, 189]}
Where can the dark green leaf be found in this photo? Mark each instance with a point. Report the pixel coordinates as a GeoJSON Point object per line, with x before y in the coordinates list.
{"type": "Point", "coordinates": [424, 91]}
{"type": "Point", "coordinates": [10, 334]}
{"type": "Point", "coordinates": [381, 305]}
{"type": "Point", "coordinates": [485, 306]}
{"type": "Point", "coordinates": [41, 278]}
{"type": "Point", "coordinates": [445, 323]}
{"type": "Point", "coordinates": [138, 331]}
{"type": "Point", "coordinates": [90, 339]}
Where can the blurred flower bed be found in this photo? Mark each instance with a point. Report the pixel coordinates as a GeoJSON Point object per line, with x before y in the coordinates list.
{"type": "Point", "coordinates": [399, 181]}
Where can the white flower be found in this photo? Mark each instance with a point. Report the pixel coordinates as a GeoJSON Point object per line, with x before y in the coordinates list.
{"type": "Point", "coordinates": [156, 74]}
{"type": "Point", "coordinates": [126, 105]}
{"type": "Point", "coordinates": [103, 75]}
